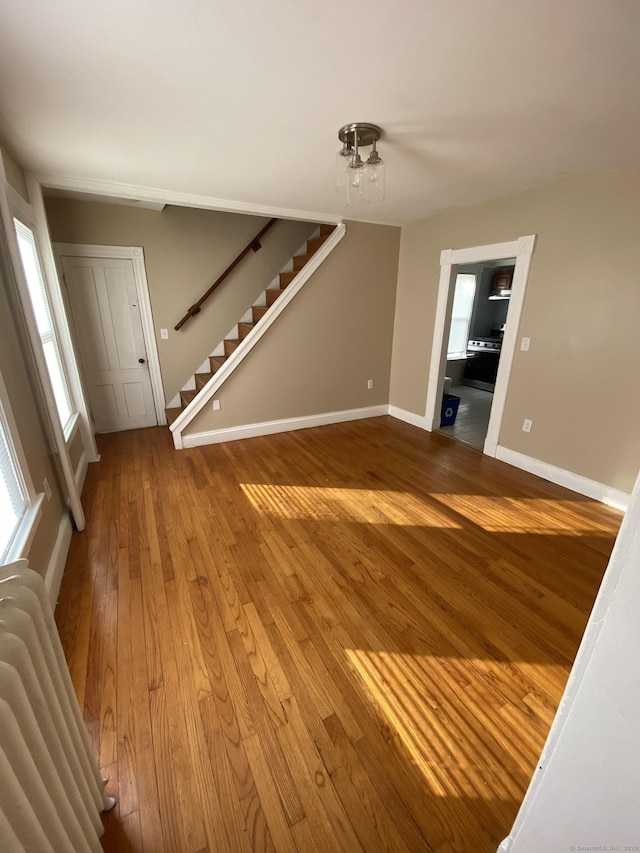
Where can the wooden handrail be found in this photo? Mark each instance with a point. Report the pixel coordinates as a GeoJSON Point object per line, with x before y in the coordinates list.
{"type": "Point", "coordinates": [255, 245]}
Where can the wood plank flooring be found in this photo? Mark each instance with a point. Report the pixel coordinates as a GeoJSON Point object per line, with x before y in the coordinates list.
{"type": "Point", "coordinates": [351, 638]}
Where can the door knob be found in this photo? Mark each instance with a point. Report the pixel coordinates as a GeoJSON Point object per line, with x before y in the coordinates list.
{"type": "Point", "coordinates": [141, 360]}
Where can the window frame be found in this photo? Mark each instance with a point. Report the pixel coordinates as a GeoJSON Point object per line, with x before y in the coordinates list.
{"type": "Point", "coordinates": [27, 525]}
{"type": "Point", "coordinates": [52, 336]}
{"type": "Point", "coordinates": [459, 355]}
{"type": "Point", "coordinates": [12, 204]}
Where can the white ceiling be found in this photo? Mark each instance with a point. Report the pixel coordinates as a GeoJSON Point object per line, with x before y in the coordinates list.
{"type": "Point", "coordinates": [478, 99]}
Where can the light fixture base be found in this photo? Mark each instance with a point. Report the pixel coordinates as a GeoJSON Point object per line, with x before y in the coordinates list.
{"type": "Point", "coordinates": [367, 133]}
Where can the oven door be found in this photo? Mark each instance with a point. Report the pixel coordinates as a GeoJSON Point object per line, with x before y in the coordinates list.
{"type": "Point", "coordinates": [482, 366]}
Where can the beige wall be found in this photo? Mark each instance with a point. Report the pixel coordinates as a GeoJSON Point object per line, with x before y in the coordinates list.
{"type": "Point", "coordinates": [578, 383]}
{"type": "Point", "coordinates": [14, 172]}
{"type": "Point", "coordinates": [335, 334]}
{"type": "Point", "coordinates": [185, 251]}
{"type": "Point", "coordinates": [28, 413]}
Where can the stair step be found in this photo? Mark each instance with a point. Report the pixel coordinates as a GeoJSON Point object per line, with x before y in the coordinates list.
{"type": "Point", "coordinates": [300, 260]}
{"type": "Point", "coordinates": [314, 244]}
{"type": "Point", "coordinates": [172, 414]}
{"type": "Point", "coordinates": [216, 362]}
{"type": "Point", "coordinates": [272, 295]}
{"type": "Point", "coordinates": [286, 278]}
{"type": "Point", "coordinates": [187, 397]}
{"type": "Point", "coordinates": [258, 312]}
{"type": "Point", "coordinates": [202, 379]}
{"type": "Point", "coordinates": [244, 329]}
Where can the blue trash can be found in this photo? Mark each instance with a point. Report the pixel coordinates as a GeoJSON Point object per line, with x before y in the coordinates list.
{"type": "Point", "coordinates": [449, 409]}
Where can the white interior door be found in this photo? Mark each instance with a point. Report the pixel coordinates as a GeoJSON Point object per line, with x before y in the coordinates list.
{"type": "Point", "coordinates": [106, 315]}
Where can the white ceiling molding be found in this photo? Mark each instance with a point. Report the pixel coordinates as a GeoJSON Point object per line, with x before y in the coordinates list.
{"type": "Point", "coordinates": [154, 198]}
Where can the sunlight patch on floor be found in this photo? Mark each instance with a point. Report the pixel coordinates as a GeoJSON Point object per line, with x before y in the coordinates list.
{"type": "Point", "coordinates": [407, 692]}
{"type": "Point", "coordinates": [546, 517]}
{"type": "Point", "coordinates": [362, 506]}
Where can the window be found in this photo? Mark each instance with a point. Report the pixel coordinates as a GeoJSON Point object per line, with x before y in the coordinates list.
{"type": "Point", "coordinates": [461, 315]}
{"type": "Point", "coordinates": [13, 492]}
{"type": "Point", "coordinates": [42, 312]}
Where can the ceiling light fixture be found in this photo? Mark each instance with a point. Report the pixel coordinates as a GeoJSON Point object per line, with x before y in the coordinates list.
{"type": "Point", "coordinates": [362, 181]}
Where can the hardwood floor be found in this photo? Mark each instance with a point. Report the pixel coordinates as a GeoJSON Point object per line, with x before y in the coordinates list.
{"type": "Point", "coordinates": [339, 639]}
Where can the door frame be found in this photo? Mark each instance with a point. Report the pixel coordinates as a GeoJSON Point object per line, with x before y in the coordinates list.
{"type": "Point", "coordinates": [522, 250]}
{"type": "Point", "coordinates": [136, 255]}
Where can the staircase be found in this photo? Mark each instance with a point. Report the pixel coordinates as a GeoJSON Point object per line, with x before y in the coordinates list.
{"type": "Point", "coordinates": [246, 326]}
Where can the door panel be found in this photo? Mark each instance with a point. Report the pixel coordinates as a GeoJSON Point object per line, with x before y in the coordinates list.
{"type": "Point", "coordinates": [106, 316]}
{"type": "Point", "coordinates": [134, 398]}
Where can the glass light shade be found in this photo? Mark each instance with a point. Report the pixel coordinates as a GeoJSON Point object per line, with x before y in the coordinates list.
{"type": "Point", "coordinates": [376, 173]}
{"type": "Point", "coordinates": [343, 160]}
{"type": "Point", "coordinates": [356, 183]}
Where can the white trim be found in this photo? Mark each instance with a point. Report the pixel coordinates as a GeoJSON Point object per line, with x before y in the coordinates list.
{"type": "Point", "coordinates": [28, 524]}
{"type": "Point", "coordinates": [408, 417]}
{"type": "Point", "coordinates": [246, 345]}
{"type": "Point", "coordinates": [522, 249]}
{"type": "Point", "coordinates": [156, 195]}
{"type": "Point", "coordinates": [58, 560]}
{"type": "Point", "coordinates": [505, 845]}
{"type": "Point", "coordinates": [27, 527]}
{"type": "Point", "coordinates": [136, 255]}
{"type": "Point", "coordinates": [56, 298]}
{"type": "Point", "coordinates": [197, 439]}
{"type": "Point", "coordinates": [19, 205]}
{"type": "Point", "coordinates": [576, 482]}
{"type": "Point", "coordinates": [81, 472]}
{"type": "Point", "coordinates": [14, 435]}
{"type": "Point", "coordinates": [38, 353]}
{"type": "Point", "coordinates": [146, 315]}
{"type": "Point", "coordinates": [442, 323]}
{"type": "Point", "coordinates": [72, 428]}
{"type": "Point", "coordinates": [525, 249]}
{"type": "Point", "coordinates": [489, 252]}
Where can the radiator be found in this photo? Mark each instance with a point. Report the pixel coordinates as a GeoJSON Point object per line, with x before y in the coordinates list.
{"type": "Point", "coordinates": [51, 793]}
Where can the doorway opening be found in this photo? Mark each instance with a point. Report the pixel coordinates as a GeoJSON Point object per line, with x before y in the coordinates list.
{"type": "Point", "coordinates": [451, 262]}
{"type": "Point", "coordinates": [478, 321]}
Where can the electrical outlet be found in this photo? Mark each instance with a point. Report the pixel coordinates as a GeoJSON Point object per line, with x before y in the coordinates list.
{"type": "Point", "coordinates": [369, 384]}
{"type": "Point", "coordinates": [164, 334]}
{"type": "Point", "coordinates": [526, 425]}
{"type": "Point", "coordinates": [47, 488]}
{"type": "Point", "coordinates": [216, 405]}
{"type": "Point", "coordinates": [524, 345]}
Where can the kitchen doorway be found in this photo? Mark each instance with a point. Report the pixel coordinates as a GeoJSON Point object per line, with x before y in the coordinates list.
{"type": "Point", "coordinates": [450, 262]}
{"type": "Point", "coordinates": [478, 321]}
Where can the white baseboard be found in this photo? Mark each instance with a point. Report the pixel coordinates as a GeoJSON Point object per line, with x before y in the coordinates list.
{"type": "Point", "coordinates": [505, 845]}
{"type": "Point", "coordinates": [81, 472]}
{"type": "Point", "coordinates": [58, 559]}
{"type": "Point", "coordinates": [408, 417]}
{"type": "Point", "coordinates": [197, 439]}
{"type": "Point", "coordinates": [583, 485]}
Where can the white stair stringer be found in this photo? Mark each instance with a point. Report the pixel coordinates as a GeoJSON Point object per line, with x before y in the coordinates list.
{"type": "Point", "coordinates": [247, 344]}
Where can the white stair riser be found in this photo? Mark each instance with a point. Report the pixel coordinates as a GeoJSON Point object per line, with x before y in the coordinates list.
{"type": "Point", "coordinates": [247, 317]}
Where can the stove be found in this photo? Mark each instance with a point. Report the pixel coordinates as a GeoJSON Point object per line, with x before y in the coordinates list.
{"type": "Point", "coordinates": [488, 345]}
